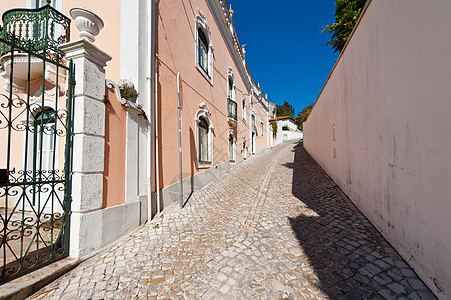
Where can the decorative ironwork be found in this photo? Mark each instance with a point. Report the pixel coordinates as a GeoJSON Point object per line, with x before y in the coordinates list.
{"type": "Point", "coordinates": [36, 142]}
{"type": "Point", "coordinates": [232, 108]}
{"type": "Point", "coordinates": [38, 30]}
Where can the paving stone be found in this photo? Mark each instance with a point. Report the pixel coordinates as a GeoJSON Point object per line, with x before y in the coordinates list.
{"type": "Point", "coordinates": [303, 239]}
{"type": "Point", "coordinates": [397, 288]}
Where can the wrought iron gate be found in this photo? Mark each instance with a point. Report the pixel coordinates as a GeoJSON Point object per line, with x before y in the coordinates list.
{"type": "Point", "coordinates": [35, 140]}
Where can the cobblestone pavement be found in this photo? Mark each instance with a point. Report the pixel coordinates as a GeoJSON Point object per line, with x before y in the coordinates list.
{"type": "Point", "coordinates": [273, 227]}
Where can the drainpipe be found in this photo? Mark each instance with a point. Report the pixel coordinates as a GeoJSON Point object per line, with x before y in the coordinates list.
{"type": "Point", "coordinates": [180, 139]}
{"type": "Point", "coordinates": [151, 161]}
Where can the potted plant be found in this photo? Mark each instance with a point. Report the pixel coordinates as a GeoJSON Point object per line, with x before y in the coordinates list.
{"type": "Point", "coordinates": [128, 90]}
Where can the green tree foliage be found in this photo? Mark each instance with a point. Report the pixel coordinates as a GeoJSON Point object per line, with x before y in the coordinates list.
{"type": "Point", "coordinates": [284, 110]}
{"type": "Point", "coordinates": [274, 129]}
{"type": "Point", "coordinates": [347, 12]}
{"type": "Point", "coordinates": [303, 115]}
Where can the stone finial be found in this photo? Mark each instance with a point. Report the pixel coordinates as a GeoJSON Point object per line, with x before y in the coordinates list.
{"type": "Point", "coordinates": [88, 23]}
{"type": "Point", "coordinates": [231, 12]}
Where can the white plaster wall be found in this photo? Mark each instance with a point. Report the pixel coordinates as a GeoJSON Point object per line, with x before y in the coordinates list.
{"type": "Point", "coordinates": [135, 54]}
{"type": "Point", "coordinates": [132, 157]}
{"type": "Point", "coordinates": [381, 129]}
{"type": "Point", "coordinates": [287, 135]}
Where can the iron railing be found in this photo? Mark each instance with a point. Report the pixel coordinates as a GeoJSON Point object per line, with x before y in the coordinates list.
{"type": "Point", "coordinates": [39, 30]}
{"type": "Point", "coordinates": [232, 108]}
{"type": "Point", "coordinates": [36, 141]}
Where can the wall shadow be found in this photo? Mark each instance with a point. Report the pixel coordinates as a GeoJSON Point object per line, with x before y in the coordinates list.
{"type": "Point", "coordinates": [192, 145]}
{"type": "Point", "coordinates": [349, 257]}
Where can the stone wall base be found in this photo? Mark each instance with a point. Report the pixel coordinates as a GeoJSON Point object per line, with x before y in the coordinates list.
{"type": "Point", "coordinates": [93, 230]}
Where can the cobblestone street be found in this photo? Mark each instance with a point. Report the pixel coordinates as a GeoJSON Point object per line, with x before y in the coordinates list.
{"type": "Point", "coordinates": [273, 227]}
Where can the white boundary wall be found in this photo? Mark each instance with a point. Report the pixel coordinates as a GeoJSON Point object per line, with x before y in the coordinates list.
{"type": "Point", "coordinates": [381, 128]}
{"type": "Point", "coordinates": [287, 135]}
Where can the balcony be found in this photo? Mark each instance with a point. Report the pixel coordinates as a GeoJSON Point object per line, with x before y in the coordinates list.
{"type": "Point", "coordinates": [39, 31]}
{"type": "Point", "coordinates": [27, 39]}
{"type": "Point", "coordinates": [232, 108]}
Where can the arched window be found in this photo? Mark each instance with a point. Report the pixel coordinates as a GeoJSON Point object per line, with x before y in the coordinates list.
{"type": "Point", "coordinates": [232, 146]}
{"type": "Point", "coordinates": [231, 89]}
{"type": "Point", "coordinates": [244, 108]}
{"type": "Point", "coordinates": [202, 50]}
{"type": "Point", "coordinates": [203, 127]}
{"type": "Point", "coordinates": [43, 141]}
{"type": "Point", "coordinates": [41, 150]}
{"type": "Point", "coordinates": [204, 137]}
{"type": "Point", "coordinates": [204, 47]}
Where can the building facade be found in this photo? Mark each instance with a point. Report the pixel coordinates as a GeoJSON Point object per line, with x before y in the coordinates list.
{"type": "Point", "coordinates": [287, 130]}
{"type": "Point", "coordinates": [109, 113]}
{"type": "Point", "coordinates": [223, 112]}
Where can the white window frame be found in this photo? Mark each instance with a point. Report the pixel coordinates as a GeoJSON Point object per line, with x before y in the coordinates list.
{"type": "Point", "coordinates": [57, 4]}
{"type": "Point", "coordinates": [244, 107]}
{"type": "Point", "coordinates": [204, 112]}
{"type": "Point", "coordinates": [253, 121]}
{"type": "Point", "coordinates": [35, 108]}
{"type": "Point", "coordinates": [262, 126]}
{"type": "Point", "coordinates": [202, 24]}
{"type": "Point", "coordinates": [232, 134]}
{"type": "Point", "coordinates": [230, 76]}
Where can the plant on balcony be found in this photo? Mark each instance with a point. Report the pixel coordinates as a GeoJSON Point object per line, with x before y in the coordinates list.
{"type": "Point", "coordinates": [128, 90]}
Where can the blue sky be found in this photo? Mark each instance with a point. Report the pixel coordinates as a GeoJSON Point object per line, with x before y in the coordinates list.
{"type": "Point", "coordinates": [285, 49]}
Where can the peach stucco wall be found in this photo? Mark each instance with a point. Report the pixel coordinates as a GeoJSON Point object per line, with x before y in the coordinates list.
{"type": "Point", "coordinates": [381, 129]}
{"type": "Point", "coordinates": [109, 37]}
{"type": "Point", "coordinates": [115, 134]}
{"type": "Point", "coordinates": [176, 53]}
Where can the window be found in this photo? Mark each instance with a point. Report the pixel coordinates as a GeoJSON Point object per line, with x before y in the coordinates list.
{"type": "Point", "coordinates": [204, 48]}
{"type": "Point", "coordinates": [231, 147]}
{"type": "Point", "coordinates": [204, 137]}
{"type": "Point", "coordinates": [253, 122]}
{"type": "Point", "coordinates": [261, 127]}
{"type": "Point", "coordinates": [57, 4]}
{"type": "Point", "coordinates": [41, 155]}
{"type": "Point", "coordinates": [41, 3]}
{"type": "Point", "coordinates": [56, 30]}
{"type": "Point", "coordinates": [244, 108]}
{"type": "Point", "coordinates": [203, 141]}
{"type": "Point", "coordinates": [231, 88]}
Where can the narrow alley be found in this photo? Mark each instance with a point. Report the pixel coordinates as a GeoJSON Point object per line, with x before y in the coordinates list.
{"type": "Point", "coordinates": [273, 227]}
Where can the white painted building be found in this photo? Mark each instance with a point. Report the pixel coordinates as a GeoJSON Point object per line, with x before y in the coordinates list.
{"type": "Point", "coordinates": [287, 130]}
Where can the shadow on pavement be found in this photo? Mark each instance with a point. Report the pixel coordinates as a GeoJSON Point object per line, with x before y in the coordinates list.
{"type": "Point", "coordinates": [349, 256]}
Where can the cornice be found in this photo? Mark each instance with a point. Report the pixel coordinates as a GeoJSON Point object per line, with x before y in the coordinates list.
{"type": "Point", "coordinates": [220, 14]}
{"type": "Point", "coordinates": [223, 17]}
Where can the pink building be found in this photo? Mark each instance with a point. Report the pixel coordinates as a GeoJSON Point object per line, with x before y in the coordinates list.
{"type": "Point", "coordinates": [90, 114]}
{"type": "Point", "coordinates": [224, 116]}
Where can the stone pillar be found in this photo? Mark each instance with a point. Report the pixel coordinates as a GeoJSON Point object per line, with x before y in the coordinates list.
{"type": "Point", "coordinates": [88, 145]}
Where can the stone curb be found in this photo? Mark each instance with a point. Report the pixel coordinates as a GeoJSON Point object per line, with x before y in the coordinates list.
{"type": "Point", "coordinates": [26, 285]}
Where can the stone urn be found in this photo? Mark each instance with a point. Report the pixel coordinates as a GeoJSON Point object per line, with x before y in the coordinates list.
{"type": "Point", "coordinates": [88, 23]}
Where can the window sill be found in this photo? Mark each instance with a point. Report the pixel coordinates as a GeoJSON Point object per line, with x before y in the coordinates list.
{"type": "Point", "coordinates": [204, 165]}
{"type": "Point", "coordinates": [205, 74]}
